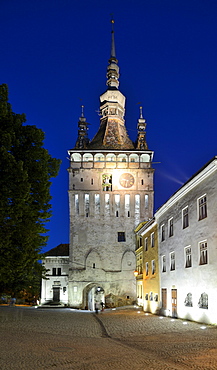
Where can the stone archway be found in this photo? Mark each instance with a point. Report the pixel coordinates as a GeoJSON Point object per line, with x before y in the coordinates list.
{"type": "Point", "coordinates": [93, 293]}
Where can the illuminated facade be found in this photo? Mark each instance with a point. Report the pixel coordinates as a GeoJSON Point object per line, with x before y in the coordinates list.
{"type": "Point", "coordinates": [187, 236]}
{"type": "Point", "coordinates": [110, 192]}
{"type": "Point", "coordinates": [148, 279]}
{"type": "Point", "coordinates": [55, 287]}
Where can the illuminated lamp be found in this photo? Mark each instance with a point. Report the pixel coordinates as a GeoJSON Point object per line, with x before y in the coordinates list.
{"type": "Point", "coordinates": [136, 273]}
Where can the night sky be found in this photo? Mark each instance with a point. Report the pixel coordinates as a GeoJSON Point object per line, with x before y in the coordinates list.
{"type": "Point", "coordinates": [54, 55]}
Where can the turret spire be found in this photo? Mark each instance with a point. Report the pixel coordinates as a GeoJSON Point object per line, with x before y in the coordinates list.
{"type": "Point", "coordinates": [82, 140]}
{"type": "Point", "coordinates": [141, 126]}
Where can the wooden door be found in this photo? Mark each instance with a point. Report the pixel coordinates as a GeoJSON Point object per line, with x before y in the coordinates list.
{"type": "Point", "coordinates": [174, 302]}
{"type": "Point", "coordinates": [56, 294]}
{"type": "Point", "coordinates": [164, 298]}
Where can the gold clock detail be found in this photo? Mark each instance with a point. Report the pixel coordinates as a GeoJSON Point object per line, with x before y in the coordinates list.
{"type": "Point", "coordinates": [126, 180]}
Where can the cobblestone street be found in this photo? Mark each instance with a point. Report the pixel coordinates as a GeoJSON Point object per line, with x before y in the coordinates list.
{"type": "Point", "coordinates": [115, 339]}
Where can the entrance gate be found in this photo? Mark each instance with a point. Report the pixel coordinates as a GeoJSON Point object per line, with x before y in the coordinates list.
{"type": "Point", "coordinates": [95, 295]}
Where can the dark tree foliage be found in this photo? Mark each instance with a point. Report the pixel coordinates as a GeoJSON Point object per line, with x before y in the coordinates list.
{"type": "Point", "coordinates": [25, 172]}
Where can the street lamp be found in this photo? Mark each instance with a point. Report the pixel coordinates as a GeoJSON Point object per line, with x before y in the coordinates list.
{"type": "Point", "coordinates": [136, 273]}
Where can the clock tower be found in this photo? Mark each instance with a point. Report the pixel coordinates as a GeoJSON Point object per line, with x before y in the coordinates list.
{"type": "Point", "coordinates": [110, 193]}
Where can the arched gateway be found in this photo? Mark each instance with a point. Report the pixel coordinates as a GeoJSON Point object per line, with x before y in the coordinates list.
{"type": "Point", "coordinates": [93, 293]}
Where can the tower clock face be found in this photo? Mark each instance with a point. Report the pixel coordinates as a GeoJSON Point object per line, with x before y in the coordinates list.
{"type": "Point", "coordinates": [126, 180]}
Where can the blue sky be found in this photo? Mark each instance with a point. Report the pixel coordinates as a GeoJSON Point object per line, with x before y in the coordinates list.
{"type": "Point", "coordinates": [54, 55]}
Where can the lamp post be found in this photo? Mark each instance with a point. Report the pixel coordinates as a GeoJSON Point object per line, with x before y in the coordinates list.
{"type": "Point", "coordinates": [135, 273]}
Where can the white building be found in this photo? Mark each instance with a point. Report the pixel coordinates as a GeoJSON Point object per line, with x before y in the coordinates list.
{"type": "Point", "coordinates": [187, 228]}
{"type": "Point", "coordinates": [55, 288]}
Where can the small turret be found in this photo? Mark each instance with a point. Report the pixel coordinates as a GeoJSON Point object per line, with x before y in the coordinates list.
{"type": "Point", "coordinates": [141, 126]}
{"type": "Point", "coordinates": [82, 140]}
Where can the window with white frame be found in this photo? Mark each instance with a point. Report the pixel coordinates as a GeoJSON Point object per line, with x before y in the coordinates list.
{"type": "Point", "coordinates": [139, 265]}
{"type": "Point", "coordinates": [164, 264]}
{"type": "Point", "coordinates": [146, 244]}
{"type": "Point", "coordinates": [202, 207]}
{"type": "Point", "coordinates": [185, 220]}
{"type": "Point", "coordinates": [170, 226]}
{"type": "Point", "coordinates": [203, 301]}
{"type": "Point", "coordinates": [153, 267]}
{"type": "Point", "coordinates": [172, 261]}
{"type": "Point", "coordinates": [188, 300]}
{"type": "Point", "coordinates": [152, 240]}
{"type": "Point", "coordinates": [146, 268]}
{"type": "Point", "coordinates": [162, 232]}
{"type": "Point", "coordinates": [203, 253]}
{"type": "Point", "coordinates": [188, 259]}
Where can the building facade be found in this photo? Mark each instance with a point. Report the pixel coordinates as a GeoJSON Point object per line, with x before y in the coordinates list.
{"type": "Point", "coordinates": [55, 287]}
{"type": "Point", "coordinates": [177, 252]}
{"type": "Point", "coordinates": [148, 278]}
{"type": "Point", "coordinates": [110, 192]}
{"type": "Point", "coordinates": [188, 248]}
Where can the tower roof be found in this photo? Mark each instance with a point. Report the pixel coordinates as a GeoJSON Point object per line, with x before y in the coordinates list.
{"type": "Point", "coordinates": [112, 133]}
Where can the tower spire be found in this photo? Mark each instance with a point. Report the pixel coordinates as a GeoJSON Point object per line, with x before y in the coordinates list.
{"type": "Point", "coordinates": [113, 54]}
{"type": "Point", "coordinates": [113, 69]}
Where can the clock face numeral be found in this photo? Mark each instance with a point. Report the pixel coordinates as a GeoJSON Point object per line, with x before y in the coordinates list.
{"type": "Point", "coordinates": [126, 180]}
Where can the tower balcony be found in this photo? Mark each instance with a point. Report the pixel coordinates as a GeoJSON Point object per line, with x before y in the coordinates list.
{"type": "Point", "coordinates": [117, 160]}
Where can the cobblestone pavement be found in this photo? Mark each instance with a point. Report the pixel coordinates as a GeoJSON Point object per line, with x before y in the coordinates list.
{"type": "Point", "coordinates": [122, 339]}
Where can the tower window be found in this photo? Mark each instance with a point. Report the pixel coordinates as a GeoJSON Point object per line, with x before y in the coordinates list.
{"type": "Point", "coordinates": [76, 205]}
{"type": "Point", "coordinates": [146, 200]}
{"type": "Point", "coordinates": [117, 204]}
{"type": "Point", "coordinates": [127, 205]}
{"type": "Point", "coordinates": [137, 206]}
{"type": "Point", "coordinates": [82, 179]}
{"type": "Point", "coordinates": [142, 182]}
{"type": "Point", "coordinates": [121, 236]}
{"type": "Point", "coordinates": [97, 203]}
{"type": "Point", "coordinates": [87, 204]}
{"type": "Point", "coordinates": [107, 203]}
{"type": "Point", "coordinates": [91, 181]}
{"type": "Point", "coordinates": [94, 265]}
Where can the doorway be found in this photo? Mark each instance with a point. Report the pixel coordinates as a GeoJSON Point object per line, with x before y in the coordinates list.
{"type": "Point", "coordinates": [164, 298]}
{"type": "Point", "coordinates": [174, 302]}
{"type": "Point", "coordinates": [95, 294]}
{"type": "Point", "coordinates": [56, 294]}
